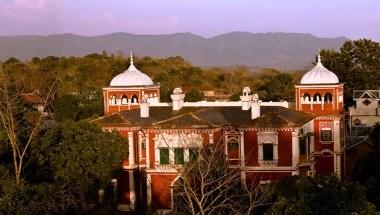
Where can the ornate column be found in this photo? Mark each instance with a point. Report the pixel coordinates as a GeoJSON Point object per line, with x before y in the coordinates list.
{"type": "Point", "coordinates": [242, 157]}
{"type": "Point", "coordinates": [295, 148]}
{"type": "Point", "coordinates": [131, 154]}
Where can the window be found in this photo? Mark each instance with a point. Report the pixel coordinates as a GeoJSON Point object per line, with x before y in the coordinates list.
{"type": "Point", "coordinates": [306, 98]}
{"type": "Point", "coordinates": [124, 100]}
{"type": "Point", "coordinates": [268, 148]}
{"type": "Point", "coordinates": [328, 98]}
{"type": "Point", "coordinates": [233, 149]}
{"type": "Point", "coordinates": [113, 100]}
{"type": "Point", "coordinates": [164, 155]}
{"type": "Point", "coordinates": [326, 134]}
{"type": "Point", "coordinates": [179, 156]}
{"type": "Point", "coordinates": [193, 154]}
{"type": "Point", "coordinates": [267, 152]}
{"type": "Point", "coordinates": [317, 98]}
{"type": "Point", "coordinates": [302, 143]}
{"type": "Point", "coordinates": [134, 99]}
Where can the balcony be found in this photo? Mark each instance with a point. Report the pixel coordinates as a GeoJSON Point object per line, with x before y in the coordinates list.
{"type": "Point", "coordinates": [167, 168]}
{"type": "Point", "coordinates": [268, 163]}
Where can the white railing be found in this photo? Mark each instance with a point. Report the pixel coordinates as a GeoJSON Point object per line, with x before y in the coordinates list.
{"type": "Point", "coordinates": [269, 163]}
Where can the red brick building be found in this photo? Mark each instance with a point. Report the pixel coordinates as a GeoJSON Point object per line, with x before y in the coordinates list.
{"type": "Point", "coordinates": [267, 140]}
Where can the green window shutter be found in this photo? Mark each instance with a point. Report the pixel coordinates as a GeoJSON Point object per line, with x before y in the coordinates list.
{"type": "Point", "coordinates": [179, 156]}
{"type": "Point", "coordinates": [164, 155]}
{"type": "Point", "coordinates": [268, 152]}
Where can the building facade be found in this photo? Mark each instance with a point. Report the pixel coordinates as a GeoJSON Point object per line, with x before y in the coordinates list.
{"type": "Point", "coordinates": [321, 94]}
{"type": "Point", "coordinates": [266, 140]}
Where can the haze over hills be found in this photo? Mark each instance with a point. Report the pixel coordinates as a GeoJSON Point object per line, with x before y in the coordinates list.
{"type": "Point", "coordinates": [277, 50]}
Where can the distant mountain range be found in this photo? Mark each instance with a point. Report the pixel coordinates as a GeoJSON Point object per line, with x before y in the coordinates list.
{"type": "Point", "coordinates": [277, 50]}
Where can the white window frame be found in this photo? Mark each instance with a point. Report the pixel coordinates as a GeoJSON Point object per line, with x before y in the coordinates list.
{"type": "Point", "coordinates": [176, 140]}
{"type": "Point", "coordinates": [326, 129]}
{"type": "Point", "coordinates": [267, 137]}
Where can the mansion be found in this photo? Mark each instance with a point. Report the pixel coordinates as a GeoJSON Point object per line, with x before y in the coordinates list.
{"type": "Point", "coordinates": [265, 140]}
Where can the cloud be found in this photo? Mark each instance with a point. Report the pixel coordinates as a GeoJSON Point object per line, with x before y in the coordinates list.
{"type": "Point", "coordinates": [33, 4]}
{"type": "Point", "coordinates": [28, 16]}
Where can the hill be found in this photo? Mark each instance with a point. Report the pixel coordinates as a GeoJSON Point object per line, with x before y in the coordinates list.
{"type": "Point", "coordinates": [278, 50]}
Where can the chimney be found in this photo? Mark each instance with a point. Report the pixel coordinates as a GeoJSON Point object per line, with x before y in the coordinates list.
{"type": "Point", "coordinates": [255, 106]}
{"type": "Point", "coordinates": [246, 98]}
{"type": "Point", "coordinates": [178, 98]}
{"type": "Point", "coordinates": [144, 107]}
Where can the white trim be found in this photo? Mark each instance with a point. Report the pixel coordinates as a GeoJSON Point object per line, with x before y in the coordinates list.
{"type": "Point", "coordinates": [147, 151]}
{"type": "Point", "coordinates": [131, 154]}
{"type": "Point", "coordinates": [118, 89]}
{"type": "Point", "coordinates": [269, 169]}
{"type": "Point", "coordinates": [172, 191]}
{"type": "Point", "coordinates": [149, 189]}
{"type": "Point", "coordinates": [211, 138]}
{"type": "Point", "coordinates": [267, 137]}
{"type": "Point", "coordinates": [140, 142]}
{"type": "Point", "coordinates": [242, 152]}
{"type": "Point", "coordinates": [132, 194]}
{"type": "Point", "coordinates": [295, 148]}
{"type": "Point", "coordinates": [321, 86]}
{"type": "Point", "coordinates": [337, 149]}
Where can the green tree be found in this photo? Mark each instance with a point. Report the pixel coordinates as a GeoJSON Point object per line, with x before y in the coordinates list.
{"type": "Point", "coordinates": [194, 96]}
{"type": "Point", "coordinates": [80, 153]}
{"type": "Point", "coordinates": [367, 170]}
{"type": "Point", "coordinates": [320, 195]}
{"type": "Point", "coordinates": [357, 64]}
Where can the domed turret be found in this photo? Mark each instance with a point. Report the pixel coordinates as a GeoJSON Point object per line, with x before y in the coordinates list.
{"type": "Point", "coordinates": [131, 77]}
{"type": "Point", "coordinates": [130, 90]}
{"type": "Point", "coordinates": [319, 75]}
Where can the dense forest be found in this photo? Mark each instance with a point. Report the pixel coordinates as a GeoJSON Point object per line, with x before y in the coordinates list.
{"type": "Point", "coordinates": [63, 163]}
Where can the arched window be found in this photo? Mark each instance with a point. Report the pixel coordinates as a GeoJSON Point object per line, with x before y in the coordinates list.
{"type": "Point", "coordinates": [306, 98]}
{"type": "Point", "coordinates": [233, 148]}
{"type": "Point", "coordinates": [113, 100]}
{"type": "Point", "coordinates": [328, 98]}
{"type": "Point", "coordinates": [317, 98]}
{"type": "Point", "coordinates": [134, 99]}
{"type": "Point", "coordinates": [124, 100]}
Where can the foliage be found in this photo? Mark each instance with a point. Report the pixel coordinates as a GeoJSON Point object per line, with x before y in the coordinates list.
{"type": "Point", "coordinates": [320, 195]}
{"type": "Point", "coordinates": [367, 170]}
{"type": "Point", "coordinates": [357, 64]}
{"type": "Point", "coordinates": [80, 153]}
{"type": "Point", "coordinates": [77, 107]}
{"type": "Point", "coordinates": [38, 199]}
{"type": "Point", "coordinates": [194, 96]}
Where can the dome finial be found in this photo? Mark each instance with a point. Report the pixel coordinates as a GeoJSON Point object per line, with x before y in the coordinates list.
{"type": "Point", "coordinates": [131, 59]}
{"type": "Point", "coordinates": [319, 58]}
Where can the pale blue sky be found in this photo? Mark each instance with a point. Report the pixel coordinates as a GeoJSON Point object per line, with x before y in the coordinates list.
{"type": "Point", "coordinates": [326, 18]}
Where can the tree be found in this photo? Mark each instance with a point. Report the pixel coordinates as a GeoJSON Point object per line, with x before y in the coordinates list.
{"type": "Point", "coordinates": [210, 186]}
{"type": "Point", "coordinates": [40, 198]}
{"type": "Point", "coordinates": [367, 170]}
{"type": "Point", "coordinates": [81, 153]}
{"type": "Point", "coordinates": [21, 125]}
{"type": "Point", "coordinates": [194, 96]}
{"type": "Point", "coordinates": [320, 195]}
{"type": "Point", "coordinates": [357, 64]}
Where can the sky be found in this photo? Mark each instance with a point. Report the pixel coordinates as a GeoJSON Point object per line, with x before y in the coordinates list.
{"type": "Point", "coordinates": [324, 18]}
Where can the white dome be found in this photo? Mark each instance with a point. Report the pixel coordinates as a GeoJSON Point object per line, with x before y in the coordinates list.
{"type": "Point", "coordinates": [319, 75]}
{"type": "Point", "coordinates": [131, 77]}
